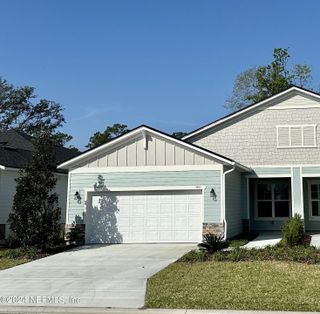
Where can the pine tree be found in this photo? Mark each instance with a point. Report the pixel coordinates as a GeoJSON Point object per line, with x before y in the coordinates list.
{"type": "Point", "coordinates": [35, 216]}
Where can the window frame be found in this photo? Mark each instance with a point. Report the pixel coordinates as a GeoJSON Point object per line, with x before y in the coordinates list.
{"type": "Point", "coordinates": [273, 200]}
{"type": "Point", "coordinates": [301, 126]}
{"type": "Point", "coordinates": [311, 217]}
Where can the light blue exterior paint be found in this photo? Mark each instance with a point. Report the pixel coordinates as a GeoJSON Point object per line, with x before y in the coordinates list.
{"type": "Point", "coordinates": [311, 171]}
{"type": "Point", "coordinates": [268, 171]}
{"type": "Point", "coordinates": [234, 209]}
{"type": "Point", "coordinates": [310, 225]}
{"type": "Point", "coordinates": [208, 178]}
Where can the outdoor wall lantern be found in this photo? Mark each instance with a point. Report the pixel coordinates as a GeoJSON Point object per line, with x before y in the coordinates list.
{"type": "Point", "coordinates": [213, 194]}
{"type": "Point", "coordinates": [77, 197]}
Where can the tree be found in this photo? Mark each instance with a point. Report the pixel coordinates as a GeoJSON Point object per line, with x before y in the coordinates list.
{"type": "Point", "coordinates": [35, 216]}
{"type": "Point", "coordinates": [257, 84]}
{"type": "Point", "coordinates": [19, 110]}
{"type": "Point", "coordinates": [179, 134]}
{"type": "Point", "coordinates": [108, 134]}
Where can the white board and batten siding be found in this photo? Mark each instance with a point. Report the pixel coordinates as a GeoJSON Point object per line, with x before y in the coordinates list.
{"type": "Point", "coordinates": [158, 152]}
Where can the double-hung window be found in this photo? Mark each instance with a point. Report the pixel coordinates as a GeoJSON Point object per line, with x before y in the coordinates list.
{"type": "Point", "coordinates": [314, 199]}
{"type": "Point", "coordinates": [293, 136]}
{"type": "Point", "coordinates": [273, 200]}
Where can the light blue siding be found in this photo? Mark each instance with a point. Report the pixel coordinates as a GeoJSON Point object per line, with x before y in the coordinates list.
{"type": "Point", "coordinates": [276, 171]}
{"type": "Point", "coordinates": [311, 170]}
{"type": "Point", "coordinates": [234, 209]}
{"type": "Point", "coordinates": [310, 225]}
{"type": "Point", "coordinates": [209, 178]}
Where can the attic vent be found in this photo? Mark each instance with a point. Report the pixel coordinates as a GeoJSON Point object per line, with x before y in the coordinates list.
{"type": "Point", "coordinates": [290, 136]}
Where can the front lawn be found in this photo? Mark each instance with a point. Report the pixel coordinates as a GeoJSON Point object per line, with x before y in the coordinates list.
{"type": "Point", "coordinates": [13, 257]}
{"type": "Point", "coordinates": [254, 285]}
{"type": "Point", "coordinates": [10, 257]}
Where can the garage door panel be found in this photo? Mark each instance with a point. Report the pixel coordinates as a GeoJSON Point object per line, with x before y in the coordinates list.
{"type": "Point", "coordinates": [153, 216]}
{"type": "Point", "coordinates": [166, 209]}
{"type": "Point", "coordinates": [181, 222]}
{"type": "Point", "coordinates": [180, 235]}
{"type": "Point", "coordinates": [165, 222]}
{"type": "Point", "coordinates": [137, 223]}
{"type": "Point", "coordinates": [194, 209]}
{"type": "Point", "coordinates": [152, 222]}
{"type": "Point", "coordinates": [166, 236]}
{"type": "Point", "coordinates": [181, 209]}
{"type": "Point", "coordinates": [151, 236]}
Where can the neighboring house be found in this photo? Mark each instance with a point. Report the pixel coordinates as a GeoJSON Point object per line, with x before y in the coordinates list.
{"type": "Point", "coordinates": [15, 153]}
{"type": "Point", "coordinates": [249, 170]}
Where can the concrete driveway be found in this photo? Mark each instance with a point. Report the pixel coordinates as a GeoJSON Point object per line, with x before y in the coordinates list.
{"type": "Point", "coordinates": [90, 276]}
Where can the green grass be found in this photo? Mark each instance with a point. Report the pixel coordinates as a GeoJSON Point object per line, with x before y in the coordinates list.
{"type": "Point", "coordinates": [257, 285]}
{"type": "Point", "coordinates": [9, 262]}
{"type": "Point", "coordinates": [13, 257]}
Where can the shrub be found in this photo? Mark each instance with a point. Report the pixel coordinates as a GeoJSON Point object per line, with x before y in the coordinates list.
{"type": "Point", "coordinates": [292, 231]}
{"type": "Point", "coordinates": [212, 243]}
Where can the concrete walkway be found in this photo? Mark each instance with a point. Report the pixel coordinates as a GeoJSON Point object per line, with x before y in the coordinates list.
{"type": "Point", "coordinates": [132, 311]}
{"type": "Point", "coordinates": [264, 239]}
{"type": "Point", "coordinates": [90, 276]}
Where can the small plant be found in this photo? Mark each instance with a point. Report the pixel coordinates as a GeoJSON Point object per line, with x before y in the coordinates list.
{"type": "Point", "coordinates": [292, 231]}
{"type": "Point", "coordinates": [212, 243]}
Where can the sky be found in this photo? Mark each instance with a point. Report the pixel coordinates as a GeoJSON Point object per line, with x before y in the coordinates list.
{"type": "Point", "coordinates": [170, 64]}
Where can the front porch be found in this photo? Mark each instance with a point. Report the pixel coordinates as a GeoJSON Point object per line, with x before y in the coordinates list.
{"type": "Point", "coordinates": [273, 200]}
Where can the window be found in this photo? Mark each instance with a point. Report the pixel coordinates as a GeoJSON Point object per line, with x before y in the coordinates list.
{"type": "Point", "coordinates": [2, 231]}
{"type": "Point", "coordinates": [296, 136]}
{"type": "Point", "coordinates": [314, 198]}
{"type": "Point", "coordinates": [272, 200]}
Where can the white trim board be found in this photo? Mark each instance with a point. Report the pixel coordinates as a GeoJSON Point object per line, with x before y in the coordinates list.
{"type": "Point", "coordinates": [148, 188]}
{"type": "Point", "coordinates": [278, 96]}
{"type": "Point", "coordinates": [145, 169]}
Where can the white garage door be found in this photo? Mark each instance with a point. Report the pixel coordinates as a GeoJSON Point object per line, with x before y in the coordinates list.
{"type": "Point", "coordinates": [157, 216]}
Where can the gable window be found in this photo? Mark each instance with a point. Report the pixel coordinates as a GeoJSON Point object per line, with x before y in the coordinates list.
{"type": "Point", "coordinates": [272, 200]}
{"type": "Point", "coordinates": [314, 199]}
{"type": "Point", "coordinates": [289, 136]}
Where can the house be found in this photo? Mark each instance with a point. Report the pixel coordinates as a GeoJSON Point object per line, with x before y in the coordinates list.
{"type": "Point", "coordinates": [252, 169]}
{"type": "Point", "coordinates": [15, 153]}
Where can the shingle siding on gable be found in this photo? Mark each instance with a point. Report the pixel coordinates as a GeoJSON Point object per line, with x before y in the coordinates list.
{"type": "Point", "coordinates": [253, 140]}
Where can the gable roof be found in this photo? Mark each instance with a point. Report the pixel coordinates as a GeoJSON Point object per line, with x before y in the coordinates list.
{"type": "Point", "coordinates": [249, 108]}
{"type": "Point", "coordinates": [16, 150]}
{"type": "Point", "coordinates": [144, 128]}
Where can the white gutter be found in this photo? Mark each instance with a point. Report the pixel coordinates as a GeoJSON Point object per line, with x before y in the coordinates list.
{"type": "Point", "coordinates": [224, 199]}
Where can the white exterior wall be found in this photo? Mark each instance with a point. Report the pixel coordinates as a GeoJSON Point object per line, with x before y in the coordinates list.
{"type": "Point", "coordinates": [252, 139]}
{"type": "Point", "coordinates": [8, 190]}
{"type": "Point", "coordinates": [159, 152]}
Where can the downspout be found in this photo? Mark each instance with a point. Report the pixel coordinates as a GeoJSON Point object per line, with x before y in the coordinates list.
{"type": "Point", "coordinates": [224, 198]}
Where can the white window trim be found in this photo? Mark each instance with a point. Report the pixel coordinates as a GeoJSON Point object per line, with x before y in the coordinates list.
{"type": "Point", "coordinates": [311, 217]}
{"type": "Point", "coordinates": [273, 218]}
{"type": "Point", "coordinates": [295, 126]}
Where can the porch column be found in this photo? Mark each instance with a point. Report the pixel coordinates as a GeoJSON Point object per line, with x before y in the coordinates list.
{"type": "Point", "coordinates": [297, 191]}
